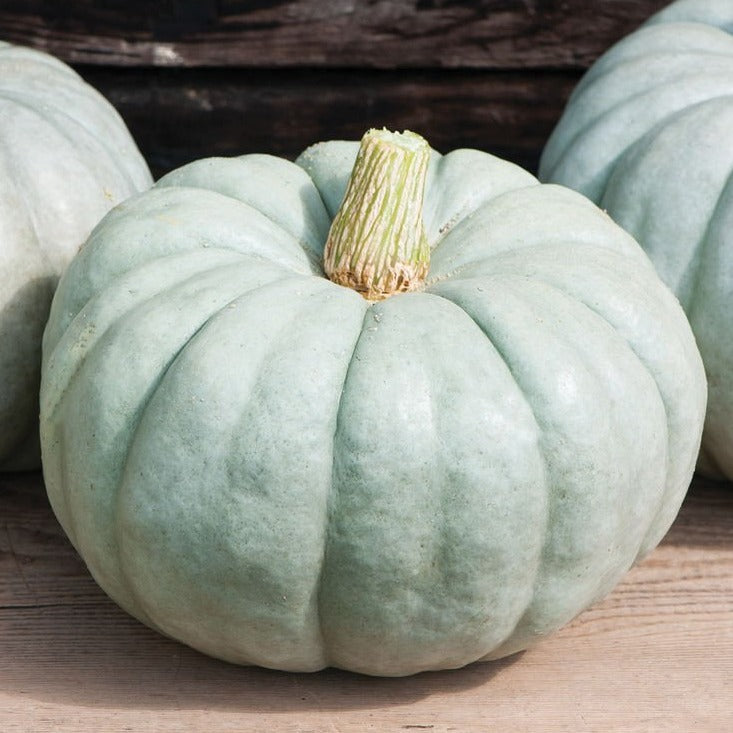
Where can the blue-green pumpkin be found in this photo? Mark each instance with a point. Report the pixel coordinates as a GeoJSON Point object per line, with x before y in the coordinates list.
{"type": "Point", "coordinates": [66, 158]}
{"type": "Point", "coordinates": [648, 135]}
{"type": "Point", "coordinates": [440, 463]}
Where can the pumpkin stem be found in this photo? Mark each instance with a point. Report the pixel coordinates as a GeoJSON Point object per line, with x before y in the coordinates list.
{"type": "Point", "coordinates": [377, 244]}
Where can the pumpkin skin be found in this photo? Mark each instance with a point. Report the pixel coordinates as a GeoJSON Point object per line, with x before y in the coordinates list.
{"type": "Point", "coordinates": [648, 134]}
{"type": "Point", "coordinates": [66, 159]}
{"type": "Point", "coordinates": [290, 476]}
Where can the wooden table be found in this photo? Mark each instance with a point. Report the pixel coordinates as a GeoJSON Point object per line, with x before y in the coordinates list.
{"type": "Point", "coordinates": [656, 655]}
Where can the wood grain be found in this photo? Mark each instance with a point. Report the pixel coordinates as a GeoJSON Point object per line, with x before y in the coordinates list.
{"type": "Point", "coordinates": [655, 656]}
{"type": "Point", "coordinates": [479, 34]}
{"type": "Point", "coordinates": [196, 78]}
{"type": "Point", "coordinates": [181, 115]}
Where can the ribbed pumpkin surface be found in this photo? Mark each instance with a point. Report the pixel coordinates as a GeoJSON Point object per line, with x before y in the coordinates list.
{"type": "Point", "coordinates": [648, 135]}
{"type": "Point", "coordinates": [266, 466]}
{"type": "Point", "coordinates": [66, 158]}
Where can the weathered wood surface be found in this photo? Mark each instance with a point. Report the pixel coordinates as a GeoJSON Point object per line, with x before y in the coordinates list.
{"type": "Point", "coordinates": [195, 78]}
{"type": "Point", "coordinates": [481, 34]}
{"type": "Point", "coordinates": [180, 115]}
{"type": "Point", "coordinates": [656, 656]}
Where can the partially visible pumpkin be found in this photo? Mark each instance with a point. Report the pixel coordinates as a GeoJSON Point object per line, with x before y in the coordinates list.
{"type": "Point", "coordinates": [275, 470]}
{"type": "Point", "coordinates": [66, 158]}
{"type": "Point", "coordinates": [648, 135]}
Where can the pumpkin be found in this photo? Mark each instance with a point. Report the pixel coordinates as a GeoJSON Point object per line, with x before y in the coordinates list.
{"type": "Point", "coordinates": [648, 134]}
{"type": "Point", "coordinates": [441, 460]}
{"type": "Point", "coordinates": [66, 159]}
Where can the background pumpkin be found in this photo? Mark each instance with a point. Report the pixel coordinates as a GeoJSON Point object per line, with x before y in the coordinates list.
{"type": "Point", "coordinates": [648, 134]}
{"type": "Point", "coordinates": [66, 158]}
{"type": "Point", "coordinates": [292, 476]}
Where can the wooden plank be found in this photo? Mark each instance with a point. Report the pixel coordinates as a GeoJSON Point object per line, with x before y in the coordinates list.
{"type": "Point", "coordinates": [482, 34]}
{"type": "Point", "coordinates": [38, 566]}
{"type": "Point", "coordinates": [180, 115]}
{"type": "Point", "coordinates": [655, 656]}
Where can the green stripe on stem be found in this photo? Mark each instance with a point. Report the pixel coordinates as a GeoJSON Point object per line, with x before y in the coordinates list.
{"type": "Point", "coordinates": [377, 244]}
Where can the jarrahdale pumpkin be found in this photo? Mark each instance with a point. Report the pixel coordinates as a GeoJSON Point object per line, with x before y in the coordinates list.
{"type": "Point", "coordinates": [648, 135]}
{"type": "Point", "coordinates": [380, 409]}
{"type": "Point", "coordinates": [66, 158]}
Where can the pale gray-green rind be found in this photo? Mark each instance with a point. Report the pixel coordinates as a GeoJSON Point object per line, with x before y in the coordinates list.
{"type": "Point", "coordinates": [710, 12]}
{"type": "Point", "coordinates": [263, 465]}
{"type": "Point", "coordinates": [647, 135]}
{"type": "Point", "coordinates": [65, 159]}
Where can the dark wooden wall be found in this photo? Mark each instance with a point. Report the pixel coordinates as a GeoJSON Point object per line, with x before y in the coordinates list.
{"type": "Point", "coordinates": [221, 77]}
